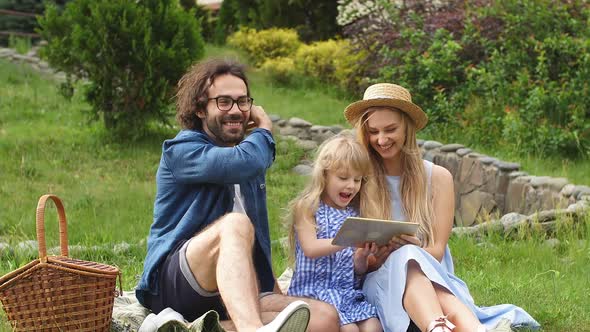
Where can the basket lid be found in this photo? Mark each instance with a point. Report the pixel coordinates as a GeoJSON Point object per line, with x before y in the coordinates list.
{"type": "Point", "coordinates": [81, 265]}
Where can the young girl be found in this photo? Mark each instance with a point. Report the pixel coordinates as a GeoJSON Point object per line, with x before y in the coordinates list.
{"type": "Point", "coordinates": [324, 271]}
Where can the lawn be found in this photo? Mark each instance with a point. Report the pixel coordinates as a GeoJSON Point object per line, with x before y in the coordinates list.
{"type": "Point", "coordinates": [48, 145]}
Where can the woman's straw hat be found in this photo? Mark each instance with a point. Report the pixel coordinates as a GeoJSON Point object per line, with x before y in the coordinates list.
{"type": "Point", "coordinates": [386, 95]}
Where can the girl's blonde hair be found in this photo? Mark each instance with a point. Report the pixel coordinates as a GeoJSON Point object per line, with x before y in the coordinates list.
{"type": "Point", "coordinates": [415, 196]}
{"type": "Point", "coordinates": [340, 152]}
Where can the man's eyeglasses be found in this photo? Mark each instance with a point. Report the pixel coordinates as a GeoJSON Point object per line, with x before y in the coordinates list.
{"type": "Point", "coordinates": [225, 103]}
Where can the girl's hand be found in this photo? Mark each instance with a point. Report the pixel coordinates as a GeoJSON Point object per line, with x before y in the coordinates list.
{"type": "Point", "coordinates": [361, 257]}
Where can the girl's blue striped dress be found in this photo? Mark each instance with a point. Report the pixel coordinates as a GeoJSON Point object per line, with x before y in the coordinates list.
{"type": "Point", "coordinates": [331, 278]}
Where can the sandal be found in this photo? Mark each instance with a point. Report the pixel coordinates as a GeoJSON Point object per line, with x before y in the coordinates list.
{"type": "Point", "coordinates": [441, 324]}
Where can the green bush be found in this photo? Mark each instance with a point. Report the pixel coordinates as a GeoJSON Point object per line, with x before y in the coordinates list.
{"type": "Point", "coordinates": [506, 72]}
{"type": "Point", "coordinates": [312, 19]}
{"type": "Point", "coordinates": [265, 44]}
{"type": "Point", "coordinates": [280, 70]}
{"type": "Point", "coordinates": [131, 53]}
{"type": "Point", "coordinates": [331, 61]}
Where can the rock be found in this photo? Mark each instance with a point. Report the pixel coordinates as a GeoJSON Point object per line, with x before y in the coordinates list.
{"type": "Point", "coordinates": [552, 243]}
{"type": "Point", "coordinates": [461, 231]}
{"type": "Point", "coordinates": [567, 190]}
{"type": "Point", "coordinates": [122, 247]}
{"type": "Point", "coordinates": [556, 184]}
{"type": "Point", "coordinates": [420, 142]}
{"type": "Point", "coordinates": [517, 174]}
{"type": "Point", "coordinates": [299, 123]}
{"type": "Point", "coordinates": [429, 145]}
{"type": "Point", "coordinates": [302, 169]}
{"type": "Point", "coordinates": [274, 118]}
{"type": "Point", "coordinates": [463, 152]}
{"type": "Point", "coordinates": [487, 160]}
{"type": "Point", "coordinates": [539, 181]}
{"type": "Point", "coordinates": [472, 204]}
{"type": "Point", "coordinates": [4, 247]}
{"type": "Point", "coordinates": [307, 145]}
{"type": "Point", "coordinates": [507, 166]}
{"type": "Point", "coordinates": [581, 191]}
{"type": "Point", "coordinates": [451, 147]}
{"type": "Point", "coordinates": [512, 220]}
{"type": "Point", "coordinates": [337, 128]}
{"type": "Point", "coordinates": [27, 246]}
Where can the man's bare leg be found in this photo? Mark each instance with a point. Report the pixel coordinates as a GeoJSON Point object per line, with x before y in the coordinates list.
{"type": "Point", "coordinates": [324, 317]}
{"type": "Point", "coordinates": [220, 258]}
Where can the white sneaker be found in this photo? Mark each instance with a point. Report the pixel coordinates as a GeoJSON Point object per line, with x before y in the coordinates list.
{"type": "Point", "coordinates": [294, 318]}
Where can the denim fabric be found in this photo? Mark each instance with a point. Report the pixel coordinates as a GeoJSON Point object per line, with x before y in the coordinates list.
{"type": "Point", "coordinates": [195, 186]}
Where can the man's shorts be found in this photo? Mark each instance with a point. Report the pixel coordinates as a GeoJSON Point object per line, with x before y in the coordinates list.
{"type": "Point", "coordinates": [179, 290]}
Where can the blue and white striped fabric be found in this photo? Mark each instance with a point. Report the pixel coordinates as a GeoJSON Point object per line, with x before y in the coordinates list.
{"type": "Point", "coordinates": [385, 287]}
{"type": "Point", "coordinates": [331, 278]}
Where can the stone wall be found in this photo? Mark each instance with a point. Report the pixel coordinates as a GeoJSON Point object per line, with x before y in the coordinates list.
{"type": "Point", "coordinates": [485, 187]}
{"type": "Point", "coordinates": [31, 59]}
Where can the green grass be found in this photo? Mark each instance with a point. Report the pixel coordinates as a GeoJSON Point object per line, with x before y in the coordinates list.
{"type": "Point", "coordinates": [47, 145]}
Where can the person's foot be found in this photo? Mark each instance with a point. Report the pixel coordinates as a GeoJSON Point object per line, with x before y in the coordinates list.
{"type": "Point", "coordinates": [294, 318]}
{"type": "Point", "coordinates": [504, 325]}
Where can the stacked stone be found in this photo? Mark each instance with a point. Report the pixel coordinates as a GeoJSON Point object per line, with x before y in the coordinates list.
{"type": "Point", "coordinates": [31, 59]}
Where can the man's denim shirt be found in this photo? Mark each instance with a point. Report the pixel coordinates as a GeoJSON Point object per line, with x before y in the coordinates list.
{"type": "Point", "coordinates": [195, 186]}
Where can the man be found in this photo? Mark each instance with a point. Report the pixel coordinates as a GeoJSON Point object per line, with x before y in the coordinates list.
{"type": "Point", "coordinates": [209, 244]}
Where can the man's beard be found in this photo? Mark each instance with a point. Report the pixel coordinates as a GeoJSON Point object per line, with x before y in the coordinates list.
{"type": "Point", "coordinates": [227, 137]}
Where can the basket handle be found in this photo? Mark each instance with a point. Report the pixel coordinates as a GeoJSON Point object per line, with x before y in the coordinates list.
{"type": "Point", "coordinates": [63, 229]}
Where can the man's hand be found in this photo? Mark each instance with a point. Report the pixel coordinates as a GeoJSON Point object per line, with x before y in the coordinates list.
{"type": "Point", "coordinates": [259, 119]}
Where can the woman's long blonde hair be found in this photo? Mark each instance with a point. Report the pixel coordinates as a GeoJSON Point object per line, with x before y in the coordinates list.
{"type": "Point", "coordinates": [340, 152]}
{"type": "Point", "coordinates": [415, 196]}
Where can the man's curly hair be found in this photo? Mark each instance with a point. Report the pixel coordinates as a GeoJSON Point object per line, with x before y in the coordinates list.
{"type": "Point", "coordinates": [193, 87]}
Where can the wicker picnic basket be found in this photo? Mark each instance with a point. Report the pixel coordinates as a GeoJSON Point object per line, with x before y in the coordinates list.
{"type": "Point", "coordinates": [58, 293]}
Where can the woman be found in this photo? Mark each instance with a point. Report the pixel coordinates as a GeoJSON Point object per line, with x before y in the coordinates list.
{"type": "Point", "coordinates": [414, 274]}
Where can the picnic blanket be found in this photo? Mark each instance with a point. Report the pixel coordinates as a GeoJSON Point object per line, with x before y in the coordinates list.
{"type": "Point", "coordinates": [129, 314]}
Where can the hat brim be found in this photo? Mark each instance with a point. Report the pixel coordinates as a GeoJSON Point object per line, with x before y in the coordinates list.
{"type": "Point", "coordinates": [355, 111]}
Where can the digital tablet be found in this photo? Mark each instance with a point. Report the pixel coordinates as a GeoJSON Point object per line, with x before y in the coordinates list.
{"type": "Point", "coordinates": [355, 231]}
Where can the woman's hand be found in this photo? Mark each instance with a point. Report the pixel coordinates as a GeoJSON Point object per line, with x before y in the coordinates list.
{"type": "Point", "coordinates": [383, 252]}
{"type": "Point", "coordinates": [397, 242]}
{"type": "Point", "coordinates": [361, 257]}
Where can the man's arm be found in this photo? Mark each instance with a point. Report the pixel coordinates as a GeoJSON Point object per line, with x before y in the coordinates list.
{"type": "Point", "coordinates": [194, 159]}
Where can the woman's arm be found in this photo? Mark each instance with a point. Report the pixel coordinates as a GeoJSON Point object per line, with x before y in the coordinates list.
{"type": "Point", "coordinates": [443, 200]}
{"type": "Point", "coordinates": [310, 244]}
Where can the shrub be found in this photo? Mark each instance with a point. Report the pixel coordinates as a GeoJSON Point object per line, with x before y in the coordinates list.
{"type": "Point", "coordinates": [280, 70]}
{"type": "Point", "coordinates": [132, 54]}
{"type": "Point", "coordinates": [509, 71]}
{"type": "Point", "coordinates": [265, 44]}
{"type": "Point", "coordinates": [312, 19]}
{"type": "Point", "coordinates": [331, 61]}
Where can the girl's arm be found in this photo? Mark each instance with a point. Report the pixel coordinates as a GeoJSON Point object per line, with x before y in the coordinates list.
{"type": "Point", "coordinates": [310, 244]}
